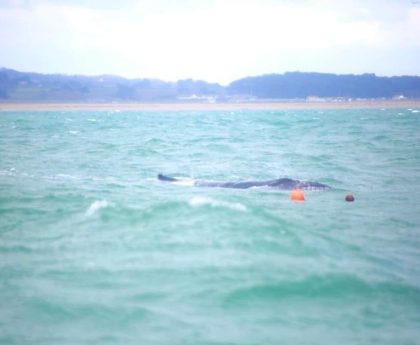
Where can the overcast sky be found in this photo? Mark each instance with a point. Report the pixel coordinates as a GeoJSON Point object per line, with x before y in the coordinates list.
{"type": "Point", "coordinates": [217, 41]}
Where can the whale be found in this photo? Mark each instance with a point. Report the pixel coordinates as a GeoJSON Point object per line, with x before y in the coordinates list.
{"type": "Point", "coordinates": [280, 183]}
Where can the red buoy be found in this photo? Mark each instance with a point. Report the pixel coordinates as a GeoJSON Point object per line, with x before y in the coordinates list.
{"type": "Point", "coordinates": [349, 197]}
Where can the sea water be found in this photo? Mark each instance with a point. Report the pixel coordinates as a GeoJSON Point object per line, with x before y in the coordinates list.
{"type": "Point", "coordinates": [95, 250]}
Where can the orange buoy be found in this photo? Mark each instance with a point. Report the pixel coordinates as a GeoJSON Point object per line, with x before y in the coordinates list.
{"type": "Point", "coordinates": [297, 195]}
{"type": "Point", "coordinates": [349, 197]}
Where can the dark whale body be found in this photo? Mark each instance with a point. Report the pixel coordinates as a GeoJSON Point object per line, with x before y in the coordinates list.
{"type": "Point", "coordinates": [281, 183]}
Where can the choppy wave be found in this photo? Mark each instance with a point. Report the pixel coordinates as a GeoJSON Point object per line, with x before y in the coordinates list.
{"type": "Point", "coordinates": [329, 287]}
{"type": "Point", "coordinates": [206, 201]}
{"type": "Point", "coordinates": [94, 250]}
{"type": "Point", "coordinates": [96, 206]}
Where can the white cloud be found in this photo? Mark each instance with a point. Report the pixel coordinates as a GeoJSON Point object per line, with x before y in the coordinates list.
{"type": "Point", "coordinates": [215, 40]}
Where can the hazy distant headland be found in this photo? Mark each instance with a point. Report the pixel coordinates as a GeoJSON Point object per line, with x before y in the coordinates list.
{"type": "Point", "coordinates": [16, 87]}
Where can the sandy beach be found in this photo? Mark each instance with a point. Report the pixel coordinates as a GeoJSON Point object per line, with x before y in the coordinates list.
{"type": "Point", "coordinates": [211, 106]}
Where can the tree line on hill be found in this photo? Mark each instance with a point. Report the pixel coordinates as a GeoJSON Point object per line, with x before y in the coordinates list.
{"type": "Point", "coordinates": [18, 86]}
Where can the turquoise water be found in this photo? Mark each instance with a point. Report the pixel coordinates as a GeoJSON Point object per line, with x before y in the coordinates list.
{"type": "Point", "coordinates": [95, 250]}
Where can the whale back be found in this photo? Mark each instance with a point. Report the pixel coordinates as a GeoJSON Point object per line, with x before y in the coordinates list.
{"type": "Point", "coordinates": [281, 183]}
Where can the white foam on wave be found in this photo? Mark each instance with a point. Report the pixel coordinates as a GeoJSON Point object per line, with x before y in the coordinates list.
{"type": "Point", "coordinates": [415, 111]}
{"type": "Point", "coordinates": [206, 201]}
{"type": "Point", "coordinates": [95, 206]}
{"type": "Point", "coordinates": [66, 176]}
{"type": "Point", "coordinates": [185, 182]}
{"type": "Point", "coordinates": [8, 172]}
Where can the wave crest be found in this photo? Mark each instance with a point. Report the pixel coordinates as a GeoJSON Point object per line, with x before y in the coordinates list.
{"type": "Point", "coordinates": [95, 206]}
{"type": "Point", "coordinates": [205, 201]}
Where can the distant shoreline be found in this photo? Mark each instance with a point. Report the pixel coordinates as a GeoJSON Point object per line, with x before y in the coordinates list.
{"type": "Point", "coordinates": [281, 105]}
